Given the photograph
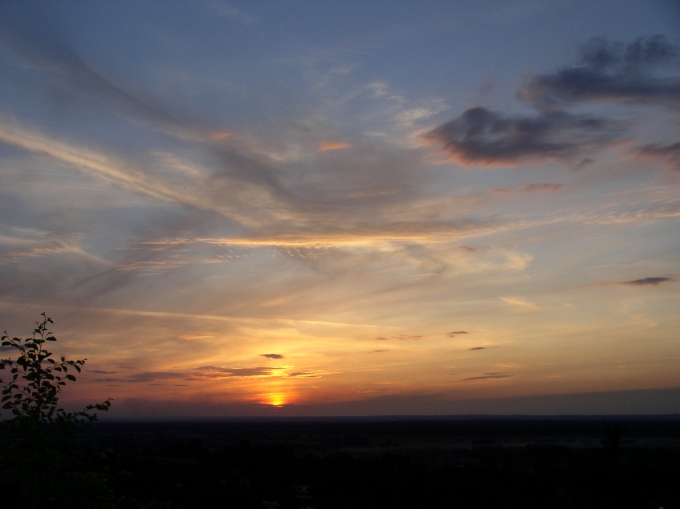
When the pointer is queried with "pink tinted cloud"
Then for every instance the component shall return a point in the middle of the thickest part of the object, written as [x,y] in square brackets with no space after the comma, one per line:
[332,145]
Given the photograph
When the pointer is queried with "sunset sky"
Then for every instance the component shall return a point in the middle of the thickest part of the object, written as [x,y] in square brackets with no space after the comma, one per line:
[346,208]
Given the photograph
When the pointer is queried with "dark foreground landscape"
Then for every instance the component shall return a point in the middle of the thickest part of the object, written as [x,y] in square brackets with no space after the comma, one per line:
[357,463]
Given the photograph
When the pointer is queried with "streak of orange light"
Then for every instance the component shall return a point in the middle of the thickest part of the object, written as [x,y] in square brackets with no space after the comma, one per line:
[332,145]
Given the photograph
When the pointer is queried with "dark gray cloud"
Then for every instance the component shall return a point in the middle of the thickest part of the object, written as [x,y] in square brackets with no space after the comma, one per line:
[102,372]
[150,376]
[456,333]
[488,376]
[481,137]
[610,71]
[669,155]
[272,355]
[649,281]
[478,348]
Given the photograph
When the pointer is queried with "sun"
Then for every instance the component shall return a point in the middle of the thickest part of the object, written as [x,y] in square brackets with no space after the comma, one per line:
[276,399]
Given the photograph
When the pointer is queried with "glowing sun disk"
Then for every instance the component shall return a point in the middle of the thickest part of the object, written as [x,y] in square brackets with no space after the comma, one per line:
[276,399]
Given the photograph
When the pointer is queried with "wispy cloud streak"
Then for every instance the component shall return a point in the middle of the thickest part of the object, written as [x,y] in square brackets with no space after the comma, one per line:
[649,281]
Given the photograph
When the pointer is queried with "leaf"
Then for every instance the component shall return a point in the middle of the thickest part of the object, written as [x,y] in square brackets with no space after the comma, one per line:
[32,393]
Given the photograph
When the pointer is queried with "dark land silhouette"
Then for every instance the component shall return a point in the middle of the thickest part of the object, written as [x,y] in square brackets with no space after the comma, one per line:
[593,462]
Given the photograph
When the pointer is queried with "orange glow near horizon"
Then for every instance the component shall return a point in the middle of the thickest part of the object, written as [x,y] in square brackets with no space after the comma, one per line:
[220,135]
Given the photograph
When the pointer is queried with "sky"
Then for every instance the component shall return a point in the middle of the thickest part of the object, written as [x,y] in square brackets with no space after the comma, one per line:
[297,208]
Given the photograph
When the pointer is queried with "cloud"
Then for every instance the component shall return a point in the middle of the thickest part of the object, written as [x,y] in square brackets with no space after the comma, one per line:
[231,13]
[541,188]
[478,348]
[80,80]
[272,355]
[519,302]
[193,337]
[649,281]
[456,333]
[150,376]
[356,234]
[610,71]
[666,154]
[304,374]
[20,244]
[401,337]
[220,135]
[206,193]
[254,204]
[259,371]
[488,376]
[481,137]
[466,249]
[332,145]
[528,188]
[218,371]
[606,71]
